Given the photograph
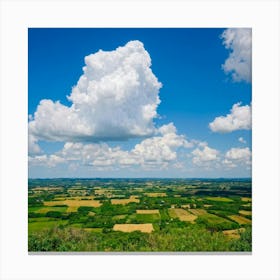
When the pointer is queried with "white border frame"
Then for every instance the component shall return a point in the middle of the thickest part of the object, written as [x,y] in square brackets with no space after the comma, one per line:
[17,16]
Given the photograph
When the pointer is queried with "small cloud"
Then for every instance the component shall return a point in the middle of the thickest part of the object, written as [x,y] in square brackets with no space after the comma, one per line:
[241,140]
[205,157]
[239,62]
[239,118]
[238,156]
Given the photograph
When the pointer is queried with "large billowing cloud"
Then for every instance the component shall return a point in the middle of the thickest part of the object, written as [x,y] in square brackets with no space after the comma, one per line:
[116,98]
[240,117]
[239,62]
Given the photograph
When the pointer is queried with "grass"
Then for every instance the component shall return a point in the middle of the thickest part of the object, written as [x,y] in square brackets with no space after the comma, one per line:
[147,218]
[42,225]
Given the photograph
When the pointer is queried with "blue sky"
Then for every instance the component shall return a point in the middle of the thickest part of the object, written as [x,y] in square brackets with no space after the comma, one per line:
[203,72]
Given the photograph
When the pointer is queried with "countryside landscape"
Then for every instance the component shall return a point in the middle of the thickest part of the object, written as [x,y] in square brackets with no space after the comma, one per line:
[139,140]
[139,215]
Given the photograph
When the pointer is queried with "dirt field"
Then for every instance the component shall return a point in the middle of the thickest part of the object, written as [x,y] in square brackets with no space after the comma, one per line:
[125,200]
[133,227]
[155,194]
[182,214]
[156,211]
[198,212]
[233,233]
[239,219]
[187,206]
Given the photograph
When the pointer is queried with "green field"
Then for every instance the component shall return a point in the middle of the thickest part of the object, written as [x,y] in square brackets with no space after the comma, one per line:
[192,215]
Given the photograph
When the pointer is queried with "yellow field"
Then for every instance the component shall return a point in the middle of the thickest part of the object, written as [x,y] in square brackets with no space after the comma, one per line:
[177,195]
[148,228]
[198,212]
[222,199]
[248,204]
[240,220]
[186,206]
[125,200]
[207,205]
[233,233]
[73,205]
[245,212]
[77,192]
[155,194]
[246,199]
[155,211]
[182,214]
[89,197]
[49,189]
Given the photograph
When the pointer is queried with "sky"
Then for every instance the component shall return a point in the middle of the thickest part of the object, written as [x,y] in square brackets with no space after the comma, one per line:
[139,102]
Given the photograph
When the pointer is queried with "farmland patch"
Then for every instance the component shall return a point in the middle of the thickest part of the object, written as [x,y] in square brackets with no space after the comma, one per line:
[148,228]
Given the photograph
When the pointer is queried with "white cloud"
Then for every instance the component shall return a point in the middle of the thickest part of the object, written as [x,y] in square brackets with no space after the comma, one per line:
[46,160]
[239,118]
[241,140]
[116,98]
[239,62]
[205,157]
[33,147]
[154,152]
[238,156]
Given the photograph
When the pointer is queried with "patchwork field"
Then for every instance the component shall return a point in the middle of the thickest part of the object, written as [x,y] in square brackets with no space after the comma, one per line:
[147,228]
[222,199]
[156,211]
[198,212]
[245,213]
[233,233]
[139,215]
[155,194]
[125,200]
[240,219]
[73,205]
[246,199]
[182,215]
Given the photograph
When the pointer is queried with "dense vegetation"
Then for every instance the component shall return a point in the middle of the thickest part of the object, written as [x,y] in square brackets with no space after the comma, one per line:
[185,215]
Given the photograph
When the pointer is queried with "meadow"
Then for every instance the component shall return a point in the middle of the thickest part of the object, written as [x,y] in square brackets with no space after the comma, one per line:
[139,215]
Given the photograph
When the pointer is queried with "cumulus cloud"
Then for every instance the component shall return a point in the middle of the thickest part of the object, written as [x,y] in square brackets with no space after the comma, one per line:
[33,147]
[205,157]
[45,160]
[116,98]
[240,117]
[239,62]
[238,156]
[154,152]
